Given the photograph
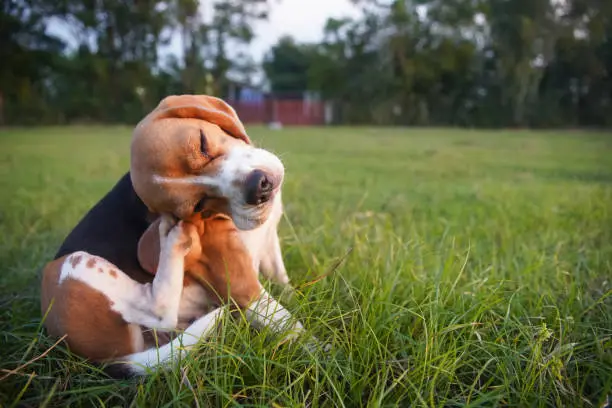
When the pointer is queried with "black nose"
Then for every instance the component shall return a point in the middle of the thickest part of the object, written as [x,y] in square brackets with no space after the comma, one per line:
[258,188]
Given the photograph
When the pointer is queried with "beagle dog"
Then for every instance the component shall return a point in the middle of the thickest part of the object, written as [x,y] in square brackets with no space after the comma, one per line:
[129,267]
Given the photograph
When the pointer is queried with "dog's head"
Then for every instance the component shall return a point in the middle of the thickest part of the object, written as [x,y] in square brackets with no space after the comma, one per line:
[192,154]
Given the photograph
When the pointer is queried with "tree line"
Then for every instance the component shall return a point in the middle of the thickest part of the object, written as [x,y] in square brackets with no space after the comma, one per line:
[475,63]
[115,71]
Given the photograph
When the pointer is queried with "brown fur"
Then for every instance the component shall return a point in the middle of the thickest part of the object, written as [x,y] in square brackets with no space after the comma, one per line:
[218,260]
[74,260]
[83,314]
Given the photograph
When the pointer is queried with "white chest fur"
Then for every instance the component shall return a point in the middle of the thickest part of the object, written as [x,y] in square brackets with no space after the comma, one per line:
[195,302]
[264,246]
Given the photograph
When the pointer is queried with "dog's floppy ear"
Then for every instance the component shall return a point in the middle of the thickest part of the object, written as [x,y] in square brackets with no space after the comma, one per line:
[148,248]
[227,265]
[204,107]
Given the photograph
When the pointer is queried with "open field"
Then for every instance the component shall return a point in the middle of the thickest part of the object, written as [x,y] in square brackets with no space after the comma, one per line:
[480,271]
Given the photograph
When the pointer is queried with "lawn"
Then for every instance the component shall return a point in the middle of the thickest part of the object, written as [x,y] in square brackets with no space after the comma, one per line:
[466,268]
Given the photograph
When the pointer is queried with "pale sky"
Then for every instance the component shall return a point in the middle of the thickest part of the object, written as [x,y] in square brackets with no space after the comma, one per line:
[303,19]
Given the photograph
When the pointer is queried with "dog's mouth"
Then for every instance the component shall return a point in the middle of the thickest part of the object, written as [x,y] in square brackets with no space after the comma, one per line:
[246,223]
[247,217]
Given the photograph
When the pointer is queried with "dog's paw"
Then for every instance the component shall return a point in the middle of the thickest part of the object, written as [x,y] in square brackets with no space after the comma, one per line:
[293,334]
[287,292]
[314,345]
[177,238]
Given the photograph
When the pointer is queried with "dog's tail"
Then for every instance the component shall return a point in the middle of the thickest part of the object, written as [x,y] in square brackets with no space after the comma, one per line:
[166,356]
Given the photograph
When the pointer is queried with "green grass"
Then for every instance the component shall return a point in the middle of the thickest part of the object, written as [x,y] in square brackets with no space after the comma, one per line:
[480,271]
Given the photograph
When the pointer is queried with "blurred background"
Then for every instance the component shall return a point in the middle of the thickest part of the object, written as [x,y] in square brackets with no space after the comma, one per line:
[469,63]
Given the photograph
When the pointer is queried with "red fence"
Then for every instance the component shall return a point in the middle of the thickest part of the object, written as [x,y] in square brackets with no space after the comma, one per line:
[250,112]
[286,111]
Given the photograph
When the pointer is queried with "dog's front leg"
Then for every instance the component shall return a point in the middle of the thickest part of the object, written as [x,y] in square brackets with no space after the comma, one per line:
[158,305]
[272,265]
[267,312]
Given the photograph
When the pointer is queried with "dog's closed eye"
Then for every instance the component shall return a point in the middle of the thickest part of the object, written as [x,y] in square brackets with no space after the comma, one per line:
[200,205]
[203,144]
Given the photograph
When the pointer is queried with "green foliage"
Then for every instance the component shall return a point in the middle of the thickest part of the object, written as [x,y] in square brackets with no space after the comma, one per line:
[287,65]
[474,270]
[477,63]
[114,74]
[27,54]
[484,63]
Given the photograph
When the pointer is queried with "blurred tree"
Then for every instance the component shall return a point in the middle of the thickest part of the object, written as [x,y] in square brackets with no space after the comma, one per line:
[112,72]
[27,55]
[232,25]
[287,65]
[468,62]
[206,61]
[409,62]
[578,82]
[194,36]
